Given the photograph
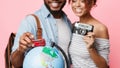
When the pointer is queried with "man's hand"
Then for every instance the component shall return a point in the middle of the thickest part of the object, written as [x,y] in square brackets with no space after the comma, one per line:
[25,41]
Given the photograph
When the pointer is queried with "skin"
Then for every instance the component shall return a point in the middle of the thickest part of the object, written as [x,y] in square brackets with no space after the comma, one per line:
[26,39]
[81,10]
[55,10]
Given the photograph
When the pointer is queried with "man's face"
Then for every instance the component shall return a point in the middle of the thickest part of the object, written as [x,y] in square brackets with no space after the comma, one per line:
[55,5]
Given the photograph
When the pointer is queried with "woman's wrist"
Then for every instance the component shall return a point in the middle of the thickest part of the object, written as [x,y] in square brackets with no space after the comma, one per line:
[92,49]
[90,46]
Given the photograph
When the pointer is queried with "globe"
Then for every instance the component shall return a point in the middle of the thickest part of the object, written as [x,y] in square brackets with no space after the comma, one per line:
[43,57]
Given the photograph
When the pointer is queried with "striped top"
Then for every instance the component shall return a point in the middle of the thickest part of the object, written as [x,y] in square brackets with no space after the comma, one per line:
[80,55]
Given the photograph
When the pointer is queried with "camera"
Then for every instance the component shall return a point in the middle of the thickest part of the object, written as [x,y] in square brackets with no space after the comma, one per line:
[82,29]
[39,42]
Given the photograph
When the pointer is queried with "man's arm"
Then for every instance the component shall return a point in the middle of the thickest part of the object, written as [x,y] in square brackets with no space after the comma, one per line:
[17,56]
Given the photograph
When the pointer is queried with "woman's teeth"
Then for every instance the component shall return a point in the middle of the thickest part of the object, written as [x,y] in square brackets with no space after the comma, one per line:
[78,10]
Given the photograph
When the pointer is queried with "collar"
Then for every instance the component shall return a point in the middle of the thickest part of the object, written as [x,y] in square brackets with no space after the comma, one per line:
[45,11]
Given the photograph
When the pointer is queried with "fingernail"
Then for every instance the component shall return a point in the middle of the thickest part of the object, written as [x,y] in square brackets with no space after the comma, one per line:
[32,45]
[32,36]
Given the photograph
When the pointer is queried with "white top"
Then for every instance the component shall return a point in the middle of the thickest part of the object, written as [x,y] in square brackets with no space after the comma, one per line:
[63,34]
[80,55]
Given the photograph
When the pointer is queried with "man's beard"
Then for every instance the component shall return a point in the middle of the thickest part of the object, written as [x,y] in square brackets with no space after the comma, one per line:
[54,12]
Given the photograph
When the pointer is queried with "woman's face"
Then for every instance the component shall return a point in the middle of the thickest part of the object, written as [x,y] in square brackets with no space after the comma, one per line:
[78,7]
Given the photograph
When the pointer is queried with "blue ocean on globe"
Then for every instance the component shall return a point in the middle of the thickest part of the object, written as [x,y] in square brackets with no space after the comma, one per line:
[43,57]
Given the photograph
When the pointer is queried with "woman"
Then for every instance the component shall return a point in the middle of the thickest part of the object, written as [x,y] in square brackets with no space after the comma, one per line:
[92,49]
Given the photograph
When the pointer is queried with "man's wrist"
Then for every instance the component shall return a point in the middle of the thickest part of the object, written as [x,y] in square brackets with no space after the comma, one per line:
[21,49]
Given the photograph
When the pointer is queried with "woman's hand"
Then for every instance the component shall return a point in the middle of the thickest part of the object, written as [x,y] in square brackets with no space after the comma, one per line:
[89,39]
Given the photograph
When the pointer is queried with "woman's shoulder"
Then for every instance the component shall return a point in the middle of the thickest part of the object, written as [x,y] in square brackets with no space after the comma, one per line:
[101,30]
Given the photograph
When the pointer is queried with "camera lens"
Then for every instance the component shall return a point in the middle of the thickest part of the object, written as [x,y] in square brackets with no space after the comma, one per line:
[82,31]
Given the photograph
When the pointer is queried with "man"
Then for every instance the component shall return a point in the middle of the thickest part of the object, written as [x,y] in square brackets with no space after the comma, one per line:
[55,27]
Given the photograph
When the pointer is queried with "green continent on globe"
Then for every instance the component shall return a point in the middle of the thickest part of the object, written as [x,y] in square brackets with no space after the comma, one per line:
[50,52]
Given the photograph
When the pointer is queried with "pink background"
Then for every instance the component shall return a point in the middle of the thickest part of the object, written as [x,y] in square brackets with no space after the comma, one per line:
[13,11]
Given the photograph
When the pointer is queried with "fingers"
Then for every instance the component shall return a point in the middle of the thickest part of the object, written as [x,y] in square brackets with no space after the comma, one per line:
[29,35]
[90,35]
[26,40]
[89,39]
[22,48]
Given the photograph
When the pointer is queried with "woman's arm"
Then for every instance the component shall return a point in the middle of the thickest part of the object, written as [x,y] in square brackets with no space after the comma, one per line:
[98,60]
[89,39]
